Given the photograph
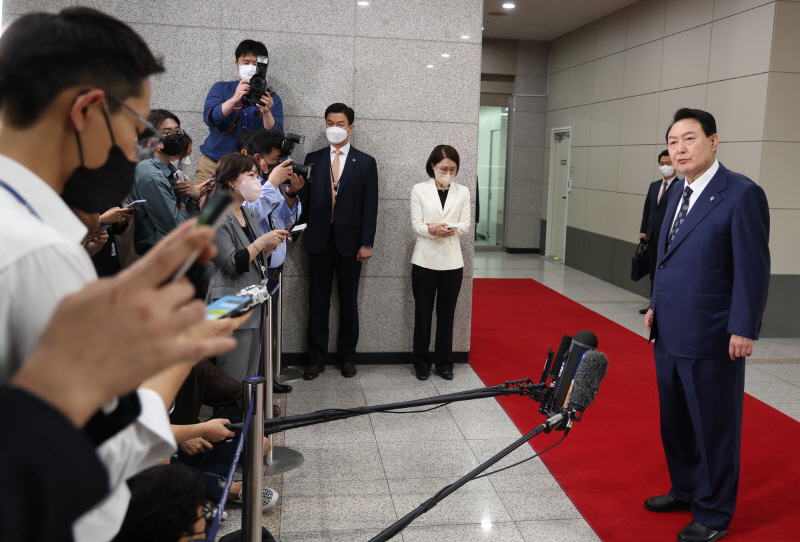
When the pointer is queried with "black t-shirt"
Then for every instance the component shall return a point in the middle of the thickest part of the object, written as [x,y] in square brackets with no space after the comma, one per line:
[443,196]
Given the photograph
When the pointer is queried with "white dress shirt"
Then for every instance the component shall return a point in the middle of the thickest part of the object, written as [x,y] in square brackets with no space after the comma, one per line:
[697,186]
[342,158]
[41,262]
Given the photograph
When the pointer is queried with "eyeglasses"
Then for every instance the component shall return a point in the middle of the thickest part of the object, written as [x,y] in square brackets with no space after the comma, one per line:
[169,131]
[446,171]
[147,145]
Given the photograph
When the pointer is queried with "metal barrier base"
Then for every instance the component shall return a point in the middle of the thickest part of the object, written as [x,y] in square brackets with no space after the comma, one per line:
[283,460]
[288,374]
[238,536]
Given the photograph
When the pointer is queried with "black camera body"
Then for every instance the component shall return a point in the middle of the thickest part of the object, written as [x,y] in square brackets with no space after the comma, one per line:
[258,85]
[289,142]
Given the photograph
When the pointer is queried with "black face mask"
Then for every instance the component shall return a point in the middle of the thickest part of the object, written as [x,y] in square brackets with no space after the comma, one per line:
[97,190]
[173,144]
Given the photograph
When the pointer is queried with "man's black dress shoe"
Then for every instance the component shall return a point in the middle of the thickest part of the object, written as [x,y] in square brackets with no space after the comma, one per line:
[312,372]
[665,503]
[694,532]
[281,388]
[447,375]
[421,376]
[348,369]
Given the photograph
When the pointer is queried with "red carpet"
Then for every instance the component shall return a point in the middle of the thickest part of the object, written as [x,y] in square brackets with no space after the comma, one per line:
[613,459]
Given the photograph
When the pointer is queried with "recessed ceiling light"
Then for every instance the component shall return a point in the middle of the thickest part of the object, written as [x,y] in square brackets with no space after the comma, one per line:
[465,37]
[445,55]
[430,65]
[509,5]
[363,3]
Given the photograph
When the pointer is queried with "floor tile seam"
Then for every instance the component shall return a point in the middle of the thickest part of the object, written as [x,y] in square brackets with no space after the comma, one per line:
[381,459]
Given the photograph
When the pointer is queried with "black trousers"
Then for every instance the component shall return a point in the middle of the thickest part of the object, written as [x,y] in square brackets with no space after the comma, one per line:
[443,286]
[321,268]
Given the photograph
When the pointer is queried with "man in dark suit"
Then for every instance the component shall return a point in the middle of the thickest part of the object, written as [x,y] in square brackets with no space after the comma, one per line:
[655,205]
[705,314]
[341,206]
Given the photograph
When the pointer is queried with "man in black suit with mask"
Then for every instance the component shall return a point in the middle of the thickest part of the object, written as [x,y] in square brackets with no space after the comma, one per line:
[654,208]
[341,206]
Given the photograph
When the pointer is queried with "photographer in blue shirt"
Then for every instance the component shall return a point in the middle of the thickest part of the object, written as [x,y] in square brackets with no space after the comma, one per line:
[225,115]
[274,209]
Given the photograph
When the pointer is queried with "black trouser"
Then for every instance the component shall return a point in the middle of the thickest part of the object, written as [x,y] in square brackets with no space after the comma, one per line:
[443,286]
[320,285]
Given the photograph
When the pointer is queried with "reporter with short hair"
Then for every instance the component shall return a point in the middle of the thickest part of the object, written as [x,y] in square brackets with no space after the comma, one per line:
[225,115]
[170,200]
[440,215]
[242,254]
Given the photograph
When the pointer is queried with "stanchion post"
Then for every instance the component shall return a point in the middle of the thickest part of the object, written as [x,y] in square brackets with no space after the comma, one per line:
[269,376]
[276,353]
[253,463]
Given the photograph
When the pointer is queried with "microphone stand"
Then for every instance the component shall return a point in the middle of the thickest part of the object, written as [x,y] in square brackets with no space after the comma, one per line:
[523,387]
[406,520]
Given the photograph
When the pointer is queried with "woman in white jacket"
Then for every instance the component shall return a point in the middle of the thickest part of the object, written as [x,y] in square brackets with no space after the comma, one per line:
[440,215]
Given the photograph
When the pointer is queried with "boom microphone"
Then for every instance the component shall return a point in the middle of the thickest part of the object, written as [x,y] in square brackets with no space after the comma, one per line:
[583,342]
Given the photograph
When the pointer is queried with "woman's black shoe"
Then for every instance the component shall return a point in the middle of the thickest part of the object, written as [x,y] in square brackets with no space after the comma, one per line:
[281,388]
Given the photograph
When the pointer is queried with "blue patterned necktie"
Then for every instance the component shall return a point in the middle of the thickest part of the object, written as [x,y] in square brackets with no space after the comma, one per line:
[684,210]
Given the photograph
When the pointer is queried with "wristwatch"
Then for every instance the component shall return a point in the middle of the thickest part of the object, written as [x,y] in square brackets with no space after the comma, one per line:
[291,195]
[368,246]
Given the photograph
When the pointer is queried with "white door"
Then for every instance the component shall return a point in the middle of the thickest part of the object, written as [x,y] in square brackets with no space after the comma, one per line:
[559,185]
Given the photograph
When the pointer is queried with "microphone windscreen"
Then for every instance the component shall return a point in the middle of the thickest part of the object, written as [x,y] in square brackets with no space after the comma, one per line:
[590,373]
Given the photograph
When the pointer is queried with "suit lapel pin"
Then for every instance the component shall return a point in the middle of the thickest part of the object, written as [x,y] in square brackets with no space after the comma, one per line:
[712,198]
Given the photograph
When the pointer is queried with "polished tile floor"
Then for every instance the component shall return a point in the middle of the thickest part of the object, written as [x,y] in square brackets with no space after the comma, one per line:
[362,474]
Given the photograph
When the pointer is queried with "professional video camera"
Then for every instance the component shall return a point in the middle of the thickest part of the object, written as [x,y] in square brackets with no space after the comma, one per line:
[289,142]
[258,84]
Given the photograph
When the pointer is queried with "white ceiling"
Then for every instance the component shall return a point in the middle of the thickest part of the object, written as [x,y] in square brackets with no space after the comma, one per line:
[544,20]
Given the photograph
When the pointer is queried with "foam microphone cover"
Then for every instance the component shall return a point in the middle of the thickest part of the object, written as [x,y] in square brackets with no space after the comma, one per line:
[590,373]
[582,342]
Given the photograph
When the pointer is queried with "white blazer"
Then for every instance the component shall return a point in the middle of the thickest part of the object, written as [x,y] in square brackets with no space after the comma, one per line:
[439,253]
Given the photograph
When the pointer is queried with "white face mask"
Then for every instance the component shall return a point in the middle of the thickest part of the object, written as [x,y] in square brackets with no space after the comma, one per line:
[246,72]
[183,163]
[250,189]
[335,134]
[667,171]
[444,180]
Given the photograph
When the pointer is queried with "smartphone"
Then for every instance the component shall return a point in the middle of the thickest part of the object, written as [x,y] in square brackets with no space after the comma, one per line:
[135,204]
[449,227]
[104,226]
[228,306]
[212,214]
[299,228]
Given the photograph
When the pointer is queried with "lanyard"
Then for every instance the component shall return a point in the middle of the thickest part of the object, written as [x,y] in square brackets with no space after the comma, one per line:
[20,199]
[259,258]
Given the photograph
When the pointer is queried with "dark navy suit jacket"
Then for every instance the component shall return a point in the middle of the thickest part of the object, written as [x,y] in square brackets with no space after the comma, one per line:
[713,280]
[654,210]
[356,213]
